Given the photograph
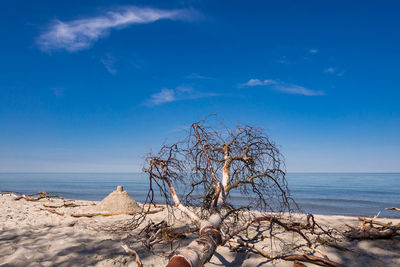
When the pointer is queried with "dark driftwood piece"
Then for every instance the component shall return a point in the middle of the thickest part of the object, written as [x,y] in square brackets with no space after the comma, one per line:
[37,196]
[393,208]
[373,229]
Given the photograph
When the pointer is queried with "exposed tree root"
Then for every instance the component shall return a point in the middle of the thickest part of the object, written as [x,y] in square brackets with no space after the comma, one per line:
[321,261]
[133,254]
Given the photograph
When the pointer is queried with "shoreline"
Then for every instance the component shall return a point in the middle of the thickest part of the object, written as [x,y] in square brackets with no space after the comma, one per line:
[30,236]
[395,216]
[330,194]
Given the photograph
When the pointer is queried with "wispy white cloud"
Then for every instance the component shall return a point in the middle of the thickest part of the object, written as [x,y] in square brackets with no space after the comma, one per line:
[282,87]
[330,70]
[334,71]
[313,51]
[108,62]
[171,95]
[197,76]
[80,34]
[297,90]
[256,82]
[164,96]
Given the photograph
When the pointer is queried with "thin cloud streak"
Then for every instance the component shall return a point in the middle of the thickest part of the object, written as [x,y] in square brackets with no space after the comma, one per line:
[282,87]
[256,82]
[80,34]
[197,76]
[108,62]
[297,90]
[330,70]
[334,71]
[178,94]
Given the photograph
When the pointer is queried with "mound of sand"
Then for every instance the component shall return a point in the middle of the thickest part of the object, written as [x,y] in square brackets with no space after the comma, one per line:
[118,201]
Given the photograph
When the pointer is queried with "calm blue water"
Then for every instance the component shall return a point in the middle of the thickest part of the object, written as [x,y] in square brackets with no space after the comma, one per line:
[319,193]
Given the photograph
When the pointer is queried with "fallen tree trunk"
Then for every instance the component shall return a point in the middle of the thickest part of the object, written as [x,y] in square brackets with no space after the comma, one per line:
[199,251]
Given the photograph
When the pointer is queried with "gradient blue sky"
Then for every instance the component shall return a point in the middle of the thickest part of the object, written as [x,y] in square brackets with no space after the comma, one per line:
[93,86]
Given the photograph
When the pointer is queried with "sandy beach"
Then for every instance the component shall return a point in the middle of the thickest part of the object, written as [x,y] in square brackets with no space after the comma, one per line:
[32,236]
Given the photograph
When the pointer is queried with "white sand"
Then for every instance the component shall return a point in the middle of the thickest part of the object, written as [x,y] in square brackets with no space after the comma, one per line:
[29,237]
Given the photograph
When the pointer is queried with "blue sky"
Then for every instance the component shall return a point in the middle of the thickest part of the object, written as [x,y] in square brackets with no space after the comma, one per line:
[93,86]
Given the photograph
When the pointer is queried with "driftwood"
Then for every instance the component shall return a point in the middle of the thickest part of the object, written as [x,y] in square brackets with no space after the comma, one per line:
[114,213]
[37,196]
[52,211]
[373,229]
[393,208]
[64,205]
[133,254]
[89,215]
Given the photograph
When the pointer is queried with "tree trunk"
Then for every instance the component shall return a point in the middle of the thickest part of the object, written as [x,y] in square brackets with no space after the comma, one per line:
[200,251]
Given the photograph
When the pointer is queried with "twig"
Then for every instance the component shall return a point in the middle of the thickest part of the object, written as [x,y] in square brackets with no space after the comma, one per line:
[66,205]
[133,254]
[393,208]
[52,211]
[270,219]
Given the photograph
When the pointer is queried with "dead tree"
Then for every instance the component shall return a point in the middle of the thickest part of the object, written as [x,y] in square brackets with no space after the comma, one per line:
[208,169]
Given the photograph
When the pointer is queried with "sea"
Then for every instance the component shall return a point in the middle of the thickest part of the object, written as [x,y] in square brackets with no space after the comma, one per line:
[364,194]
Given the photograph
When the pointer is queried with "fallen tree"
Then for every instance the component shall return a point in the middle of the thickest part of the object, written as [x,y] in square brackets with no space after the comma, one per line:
[208,169]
